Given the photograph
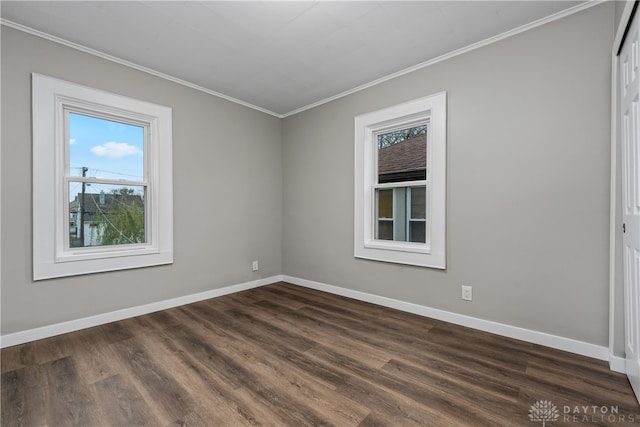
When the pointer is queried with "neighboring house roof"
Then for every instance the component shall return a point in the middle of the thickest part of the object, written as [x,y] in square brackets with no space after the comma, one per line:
[403,161]
[92,203]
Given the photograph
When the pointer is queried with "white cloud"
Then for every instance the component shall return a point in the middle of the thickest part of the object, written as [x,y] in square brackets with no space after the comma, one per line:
[115,149]
[72,141]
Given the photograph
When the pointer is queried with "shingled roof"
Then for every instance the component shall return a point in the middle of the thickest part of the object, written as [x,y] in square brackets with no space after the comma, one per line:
[93,206]
[403,161]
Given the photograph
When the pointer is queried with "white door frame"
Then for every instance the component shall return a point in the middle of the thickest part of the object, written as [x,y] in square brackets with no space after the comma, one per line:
[616,279]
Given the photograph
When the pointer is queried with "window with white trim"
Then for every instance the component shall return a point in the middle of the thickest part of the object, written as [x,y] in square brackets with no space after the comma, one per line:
[400,188]
[102,181]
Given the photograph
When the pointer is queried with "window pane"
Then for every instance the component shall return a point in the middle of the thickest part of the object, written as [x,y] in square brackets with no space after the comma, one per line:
[401,214]
[385,214]
[103,215]
[418,202]
[385,230]
[402,155]
[102,148]
[385,203]
[417,231]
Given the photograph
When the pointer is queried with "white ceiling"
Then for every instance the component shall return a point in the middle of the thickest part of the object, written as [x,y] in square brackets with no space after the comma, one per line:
[280,57]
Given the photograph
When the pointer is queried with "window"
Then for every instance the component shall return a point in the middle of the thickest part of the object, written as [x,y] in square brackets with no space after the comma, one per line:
[400,173]
[105,179]
[102,181]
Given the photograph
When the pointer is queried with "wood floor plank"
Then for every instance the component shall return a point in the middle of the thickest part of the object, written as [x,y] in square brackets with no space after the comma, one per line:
[377,312]
[121,404]
[113,332]
[566,389]
[282,355]
[23,396]
[37,352]
[497,403]
[488,348]
[298,384]
[422,394]
[67,399]
[263,351]
[234,372]
[91,354]
[270,293]
[389,407]
[326,334]
[15,357]
[223,405]
[365,313]
[282,350]
[153,381]
[605,388]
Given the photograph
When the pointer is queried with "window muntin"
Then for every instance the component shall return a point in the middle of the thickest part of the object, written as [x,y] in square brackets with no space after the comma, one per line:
[400,210]
[119,150]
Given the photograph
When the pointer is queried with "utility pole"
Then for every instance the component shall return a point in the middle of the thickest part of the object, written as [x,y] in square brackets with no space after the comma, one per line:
[84,174]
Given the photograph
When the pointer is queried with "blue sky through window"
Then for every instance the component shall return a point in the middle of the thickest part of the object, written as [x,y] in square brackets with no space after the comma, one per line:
[109,149]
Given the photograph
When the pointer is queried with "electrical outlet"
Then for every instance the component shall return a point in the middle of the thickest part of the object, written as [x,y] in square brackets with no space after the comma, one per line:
[467,293]
[254,265]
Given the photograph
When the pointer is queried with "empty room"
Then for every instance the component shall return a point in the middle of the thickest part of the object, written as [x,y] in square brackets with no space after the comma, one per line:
[421,213]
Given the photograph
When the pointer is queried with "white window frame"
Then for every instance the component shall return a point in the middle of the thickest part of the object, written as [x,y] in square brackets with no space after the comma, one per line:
[52,255]
[430,110]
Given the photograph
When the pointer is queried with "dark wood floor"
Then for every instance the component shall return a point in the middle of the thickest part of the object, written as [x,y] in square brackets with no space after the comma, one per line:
[282,355]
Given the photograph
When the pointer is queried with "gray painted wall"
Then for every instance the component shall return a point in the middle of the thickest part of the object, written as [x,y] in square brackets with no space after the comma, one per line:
[227,191]
[528,183]
[619,8]
[528,186]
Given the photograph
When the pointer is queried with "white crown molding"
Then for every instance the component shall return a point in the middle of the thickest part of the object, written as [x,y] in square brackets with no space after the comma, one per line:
[488,41]
[130,64]
[528,335]
[113,316]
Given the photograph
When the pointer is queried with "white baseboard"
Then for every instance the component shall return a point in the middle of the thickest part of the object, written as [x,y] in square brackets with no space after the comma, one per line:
[548,340]
[126,313]
[617,364]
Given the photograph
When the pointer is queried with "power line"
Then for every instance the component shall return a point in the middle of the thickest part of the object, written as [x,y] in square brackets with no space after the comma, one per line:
[111,172]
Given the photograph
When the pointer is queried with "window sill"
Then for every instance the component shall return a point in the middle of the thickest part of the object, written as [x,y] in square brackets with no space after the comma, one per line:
[432,260]
[75,267]
[418,248]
